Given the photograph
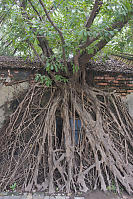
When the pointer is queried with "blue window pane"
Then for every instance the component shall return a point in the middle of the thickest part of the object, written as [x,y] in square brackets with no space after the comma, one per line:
[77,128]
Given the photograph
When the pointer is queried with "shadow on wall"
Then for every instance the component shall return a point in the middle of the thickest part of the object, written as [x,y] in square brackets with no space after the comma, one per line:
[9,96]
[130,103]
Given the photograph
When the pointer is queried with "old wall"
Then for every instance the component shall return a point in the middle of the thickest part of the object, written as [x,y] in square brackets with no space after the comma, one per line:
[121,84]
[7,93]
[130,103]
[12,83]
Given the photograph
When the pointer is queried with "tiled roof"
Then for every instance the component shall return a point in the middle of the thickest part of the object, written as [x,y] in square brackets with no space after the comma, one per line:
[18,62]
[114,64]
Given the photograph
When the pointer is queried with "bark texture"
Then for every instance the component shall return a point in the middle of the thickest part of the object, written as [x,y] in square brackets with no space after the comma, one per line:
[38,156]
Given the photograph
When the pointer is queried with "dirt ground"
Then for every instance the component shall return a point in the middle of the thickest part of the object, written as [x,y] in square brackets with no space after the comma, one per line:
[108,195]
[41,195]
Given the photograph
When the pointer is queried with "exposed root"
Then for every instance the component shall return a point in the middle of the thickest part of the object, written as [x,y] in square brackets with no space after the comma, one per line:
[37,155]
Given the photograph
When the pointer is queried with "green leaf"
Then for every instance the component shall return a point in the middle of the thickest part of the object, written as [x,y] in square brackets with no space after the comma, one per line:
[37,77]
[52,67]
[13,186]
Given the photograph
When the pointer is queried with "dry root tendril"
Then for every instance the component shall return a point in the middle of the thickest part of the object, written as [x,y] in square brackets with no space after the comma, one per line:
[37,156]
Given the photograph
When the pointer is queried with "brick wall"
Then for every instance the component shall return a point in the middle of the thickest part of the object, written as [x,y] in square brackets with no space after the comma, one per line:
[121,83]
[14,75]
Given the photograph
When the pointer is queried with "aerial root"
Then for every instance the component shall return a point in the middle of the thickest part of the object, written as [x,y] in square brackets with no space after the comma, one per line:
[44,149]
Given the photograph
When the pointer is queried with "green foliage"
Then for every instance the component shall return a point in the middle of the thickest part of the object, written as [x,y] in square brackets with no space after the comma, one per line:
[13,186]
[53,64]
[43,79]
[75,68]
[48,82]
[112,188]
[60,78]
[22,26]
[69,16]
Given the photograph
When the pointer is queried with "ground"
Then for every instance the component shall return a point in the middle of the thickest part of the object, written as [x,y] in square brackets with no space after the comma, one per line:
[108,195]
[41,195]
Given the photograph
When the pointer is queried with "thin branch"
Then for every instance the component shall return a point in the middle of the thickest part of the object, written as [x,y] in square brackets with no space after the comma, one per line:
[38,56]
[94,13]
[89,41]
[15,51]
[57,29]
[116,25]
[43,43]
[119,25]
[8,44]
[2,18]
[84,58]
[40,17]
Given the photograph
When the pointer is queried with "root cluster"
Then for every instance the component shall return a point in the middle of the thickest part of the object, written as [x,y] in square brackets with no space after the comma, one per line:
[39,153]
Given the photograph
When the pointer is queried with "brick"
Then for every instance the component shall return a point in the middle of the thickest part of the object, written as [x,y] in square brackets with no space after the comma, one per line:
[98,77]
[130,91]
[115,81]
[120,79]
[109,78]
[120,76]
[131,85]
[102,84]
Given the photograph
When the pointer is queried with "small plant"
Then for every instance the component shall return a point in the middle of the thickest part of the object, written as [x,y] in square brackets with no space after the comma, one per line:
[13,186]
[112,187]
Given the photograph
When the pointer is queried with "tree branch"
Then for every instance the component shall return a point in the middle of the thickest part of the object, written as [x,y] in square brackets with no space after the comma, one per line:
[94,13]
[117,25]
[40,17]
[38,56]
[58,30]
[43,43]
[2,18]
[42,40]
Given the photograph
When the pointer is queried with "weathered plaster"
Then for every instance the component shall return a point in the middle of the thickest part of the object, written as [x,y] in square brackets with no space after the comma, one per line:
[130,103]
[6,95]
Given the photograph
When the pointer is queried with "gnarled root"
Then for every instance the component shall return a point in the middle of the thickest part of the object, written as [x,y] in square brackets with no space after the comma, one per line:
[37,155]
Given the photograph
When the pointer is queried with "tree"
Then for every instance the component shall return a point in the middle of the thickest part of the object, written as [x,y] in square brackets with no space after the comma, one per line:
[64,36]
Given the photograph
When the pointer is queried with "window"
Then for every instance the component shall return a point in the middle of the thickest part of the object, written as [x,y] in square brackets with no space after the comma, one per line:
[59,126]
[77,128]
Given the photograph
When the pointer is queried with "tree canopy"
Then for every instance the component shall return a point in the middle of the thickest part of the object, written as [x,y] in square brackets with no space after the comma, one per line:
[66,30]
